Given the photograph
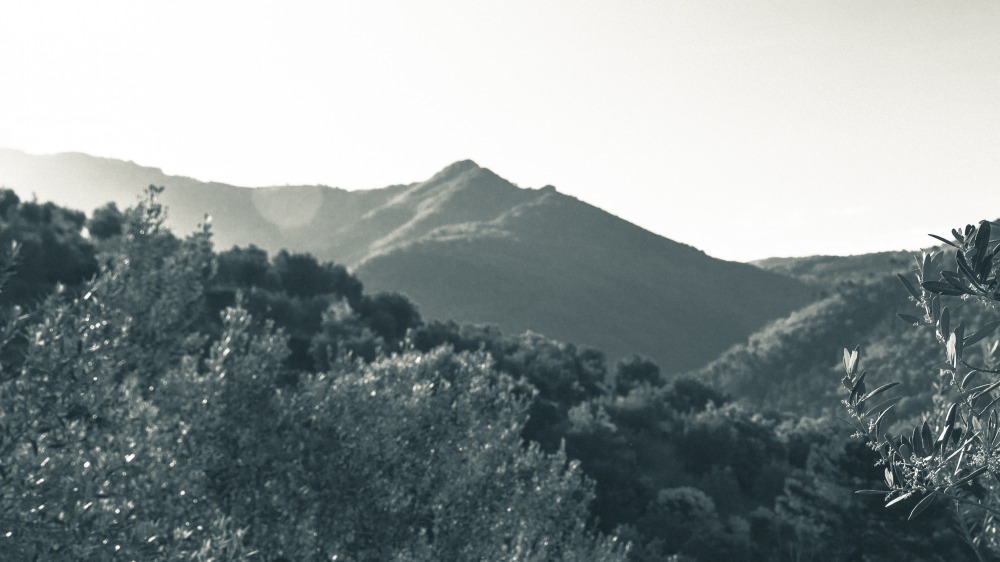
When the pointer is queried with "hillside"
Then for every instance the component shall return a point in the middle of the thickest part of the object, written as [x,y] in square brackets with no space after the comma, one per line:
[794,364]
[828,271]
[565,268]
[470,246]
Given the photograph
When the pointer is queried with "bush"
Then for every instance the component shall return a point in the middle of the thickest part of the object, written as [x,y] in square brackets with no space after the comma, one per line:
[951,457]
[125,433]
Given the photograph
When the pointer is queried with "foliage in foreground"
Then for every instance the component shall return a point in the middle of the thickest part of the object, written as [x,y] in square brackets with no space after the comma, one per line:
[952,457]
[274,451]
[123,438]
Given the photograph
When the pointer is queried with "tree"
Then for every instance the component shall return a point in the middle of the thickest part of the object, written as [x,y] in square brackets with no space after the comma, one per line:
[952,455]
[636,371]
[106,222]
[127,433]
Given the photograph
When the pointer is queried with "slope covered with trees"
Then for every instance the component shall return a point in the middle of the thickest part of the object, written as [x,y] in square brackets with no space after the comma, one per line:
[162,410]
[467,245]
[130,433]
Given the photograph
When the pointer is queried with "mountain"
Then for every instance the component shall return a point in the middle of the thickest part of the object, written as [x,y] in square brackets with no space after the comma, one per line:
[829,271]
[470,246]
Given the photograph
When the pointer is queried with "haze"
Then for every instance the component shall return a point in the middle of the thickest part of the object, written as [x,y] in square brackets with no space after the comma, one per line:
[747,129]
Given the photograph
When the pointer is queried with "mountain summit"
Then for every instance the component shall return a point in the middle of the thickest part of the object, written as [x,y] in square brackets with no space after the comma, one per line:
[470,246]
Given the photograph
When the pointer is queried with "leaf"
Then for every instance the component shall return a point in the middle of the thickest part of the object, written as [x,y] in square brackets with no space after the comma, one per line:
[851,361]
[904,497]
[853,425]
[982,241]
[925,264]
[878,420]
[911,320]
[917,442]
[949,423]
[987,407]
[963,265]
[909,286]
[858,389]
[945,240]
[989,388]
[878,391]
[968,378]
[944,322]
[951,350]
[941,288]
[927,438]
[953,279]
[949,418]
[922,505]
[882,405]
[982,333]
[871,492]
[969,476]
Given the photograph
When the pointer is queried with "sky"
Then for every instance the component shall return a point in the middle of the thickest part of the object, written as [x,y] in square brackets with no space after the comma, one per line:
[746,128]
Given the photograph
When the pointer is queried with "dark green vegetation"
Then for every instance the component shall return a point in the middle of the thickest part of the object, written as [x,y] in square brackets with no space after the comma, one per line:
[186,404]
[469,246]
[132,430]
[948,457]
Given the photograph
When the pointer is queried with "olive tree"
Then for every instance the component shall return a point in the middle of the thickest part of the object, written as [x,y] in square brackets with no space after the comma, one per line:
[950,457]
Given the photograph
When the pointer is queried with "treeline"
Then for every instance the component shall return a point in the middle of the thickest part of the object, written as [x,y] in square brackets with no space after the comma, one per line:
[172,402]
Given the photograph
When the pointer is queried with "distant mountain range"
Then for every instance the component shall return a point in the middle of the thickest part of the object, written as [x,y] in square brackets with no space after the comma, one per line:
[470,246]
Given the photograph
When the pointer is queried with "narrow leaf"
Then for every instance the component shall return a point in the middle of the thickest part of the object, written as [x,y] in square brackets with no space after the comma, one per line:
[922,505]
[927,437]
[949,422]
[944,323]
[882,405]
[968,378]
[982,240]
[904,497]
[969,476]
[951,350]
[982,333]
[917,442]
[941,288]
[945,240]
[851,361]
[985,390]
[911,320]
[878,391]
[988,406]
[909,286]
[963,265]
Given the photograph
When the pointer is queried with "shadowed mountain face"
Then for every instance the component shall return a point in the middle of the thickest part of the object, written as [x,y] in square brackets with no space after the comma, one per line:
[468,245]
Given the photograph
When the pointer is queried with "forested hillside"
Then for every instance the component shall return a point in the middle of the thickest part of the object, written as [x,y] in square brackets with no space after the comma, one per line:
[470,246]
[174,402]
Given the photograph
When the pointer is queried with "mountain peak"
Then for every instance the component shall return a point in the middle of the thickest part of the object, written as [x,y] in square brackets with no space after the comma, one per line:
[457,168]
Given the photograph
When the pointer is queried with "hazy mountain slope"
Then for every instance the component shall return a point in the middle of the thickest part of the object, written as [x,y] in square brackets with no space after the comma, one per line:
[567,269]
[470,246]
[830,270]
[271,217]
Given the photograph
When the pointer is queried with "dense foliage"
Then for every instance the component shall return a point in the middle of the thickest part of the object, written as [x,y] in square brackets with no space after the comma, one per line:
[173,402]
[124,438]
[950,456]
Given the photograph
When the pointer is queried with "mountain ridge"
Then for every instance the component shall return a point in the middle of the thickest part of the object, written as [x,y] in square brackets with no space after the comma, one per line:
[468,245]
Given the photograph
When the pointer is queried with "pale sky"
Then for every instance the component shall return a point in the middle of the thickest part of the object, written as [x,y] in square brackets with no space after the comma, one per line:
[746,128]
